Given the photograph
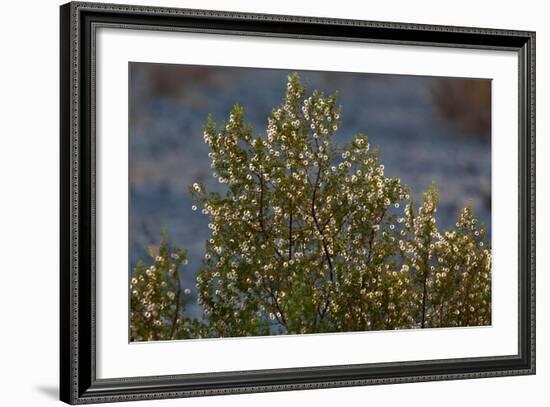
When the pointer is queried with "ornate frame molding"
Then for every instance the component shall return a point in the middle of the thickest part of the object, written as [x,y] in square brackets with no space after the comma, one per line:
[78,380]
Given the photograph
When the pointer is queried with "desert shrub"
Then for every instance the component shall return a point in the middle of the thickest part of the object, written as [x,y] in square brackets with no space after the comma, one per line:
[157,298]
[309,237]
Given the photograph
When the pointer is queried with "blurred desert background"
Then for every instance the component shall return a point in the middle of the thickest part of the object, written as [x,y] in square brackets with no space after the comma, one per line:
[427,129]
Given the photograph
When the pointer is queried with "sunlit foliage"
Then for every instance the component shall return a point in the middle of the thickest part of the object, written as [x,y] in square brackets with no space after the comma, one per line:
[309,237]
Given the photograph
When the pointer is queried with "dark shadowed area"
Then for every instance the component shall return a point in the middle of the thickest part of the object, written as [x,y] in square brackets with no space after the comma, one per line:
[427,128]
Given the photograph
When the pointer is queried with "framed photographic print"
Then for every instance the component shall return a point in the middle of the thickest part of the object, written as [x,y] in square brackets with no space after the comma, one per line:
[256,203]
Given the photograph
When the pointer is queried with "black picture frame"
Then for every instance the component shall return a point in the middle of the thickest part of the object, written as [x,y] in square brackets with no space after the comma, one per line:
[78,382]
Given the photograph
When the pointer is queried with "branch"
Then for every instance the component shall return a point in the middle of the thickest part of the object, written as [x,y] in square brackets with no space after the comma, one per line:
[177,299]
[316,221]
[424,292]
[290,233]
[261,215]
[325,248]
[373,235]
[283,320]
[426,263]
[467,296]
[325,308]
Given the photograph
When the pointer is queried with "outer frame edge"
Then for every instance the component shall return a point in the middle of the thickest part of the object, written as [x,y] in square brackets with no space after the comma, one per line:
[70,161]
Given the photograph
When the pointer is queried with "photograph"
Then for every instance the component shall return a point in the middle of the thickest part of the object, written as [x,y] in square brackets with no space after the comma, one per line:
[280,199]
[290,202]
